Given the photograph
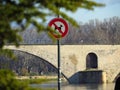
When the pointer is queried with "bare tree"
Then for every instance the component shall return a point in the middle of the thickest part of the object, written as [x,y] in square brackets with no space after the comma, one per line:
[93,32]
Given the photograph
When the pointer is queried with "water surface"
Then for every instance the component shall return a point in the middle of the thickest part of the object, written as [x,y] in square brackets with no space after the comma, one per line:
[53,85]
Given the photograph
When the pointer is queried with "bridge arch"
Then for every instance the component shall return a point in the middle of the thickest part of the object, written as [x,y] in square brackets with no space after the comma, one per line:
[118,75]
[41,59]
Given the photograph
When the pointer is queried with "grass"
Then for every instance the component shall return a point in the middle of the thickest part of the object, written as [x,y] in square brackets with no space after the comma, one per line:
[37,81]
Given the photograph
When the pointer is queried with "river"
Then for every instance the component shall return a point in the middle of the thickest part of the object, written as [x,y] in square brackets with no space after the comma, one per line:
[53,85]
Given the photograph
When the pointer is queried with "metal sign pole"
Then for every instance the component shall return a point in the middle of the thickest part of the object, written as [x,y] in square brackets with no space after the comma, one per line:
[62,27]
[59,66]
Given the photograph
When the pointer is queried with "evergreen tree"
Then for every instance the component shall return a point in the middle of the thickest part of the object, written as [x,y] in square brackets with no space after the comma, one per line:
[25,12]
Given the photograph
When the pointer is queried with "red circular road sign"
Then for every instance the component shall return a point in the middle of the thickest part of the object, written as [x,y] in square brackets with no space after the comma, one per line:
[59,26]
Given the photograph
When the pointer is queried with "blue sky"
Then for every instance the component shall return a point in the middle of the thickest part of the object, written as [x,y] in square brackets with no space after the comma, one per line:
[111,9]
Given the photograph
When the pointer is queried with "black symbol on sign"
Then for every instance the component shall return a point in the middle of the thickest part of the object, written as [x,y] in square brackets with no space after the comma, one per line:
[59,27]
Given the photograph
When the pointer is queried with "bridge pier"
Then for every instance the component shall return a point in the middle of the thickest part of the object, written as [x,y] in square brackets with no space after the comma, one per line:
[88,76]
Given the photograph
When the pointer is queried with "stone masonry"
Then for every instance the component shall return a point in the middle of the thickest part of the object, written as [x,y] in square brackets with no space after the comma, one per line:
[73,57]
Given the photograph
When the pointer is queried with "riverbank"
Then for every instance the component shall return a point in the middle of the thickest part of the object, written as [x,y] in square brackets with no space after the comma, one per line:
[36,79]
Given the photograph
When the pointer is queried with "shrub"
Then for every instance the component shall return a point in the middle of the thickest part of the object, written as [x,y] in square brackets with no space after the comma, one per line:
[8,82]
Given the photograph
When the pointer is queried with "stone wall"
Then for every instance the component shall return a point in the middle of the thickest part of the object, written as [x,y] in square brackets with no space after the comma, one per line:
[92,76]
[73,57]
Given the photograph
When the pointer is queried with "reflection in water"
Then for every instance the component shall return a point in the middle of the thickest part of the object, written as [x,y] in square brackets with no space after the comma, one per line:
[53,85]
[109,86]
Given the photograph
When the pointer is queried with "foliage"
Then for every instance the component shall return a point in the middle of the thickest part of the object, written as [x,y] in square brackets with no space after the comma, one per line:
[24,72]
[6,52]
[37,81]
[25,12]
[8,82]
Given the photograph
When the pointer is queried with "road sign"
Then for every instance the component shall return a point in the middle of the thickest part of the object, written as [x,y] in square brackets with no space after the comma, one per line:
[59,26]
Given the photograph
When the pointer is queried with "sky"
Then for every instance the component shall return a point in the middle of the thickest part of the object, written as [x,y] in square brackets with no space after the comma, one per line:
[110,9]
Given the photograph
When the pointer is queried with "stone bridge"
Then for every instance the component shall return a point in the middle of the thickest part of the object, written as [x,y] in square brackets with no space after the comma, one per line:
[74,57]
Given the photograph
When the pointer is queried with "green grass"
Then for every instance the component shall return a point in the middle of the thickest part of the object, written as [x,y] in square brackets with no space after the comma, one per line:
[37,81]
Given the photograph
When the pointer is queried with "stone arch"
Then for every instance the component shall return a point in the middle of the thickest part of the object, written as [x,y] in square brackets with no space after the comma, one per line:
[118,75]
[42,59]
[91,61]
